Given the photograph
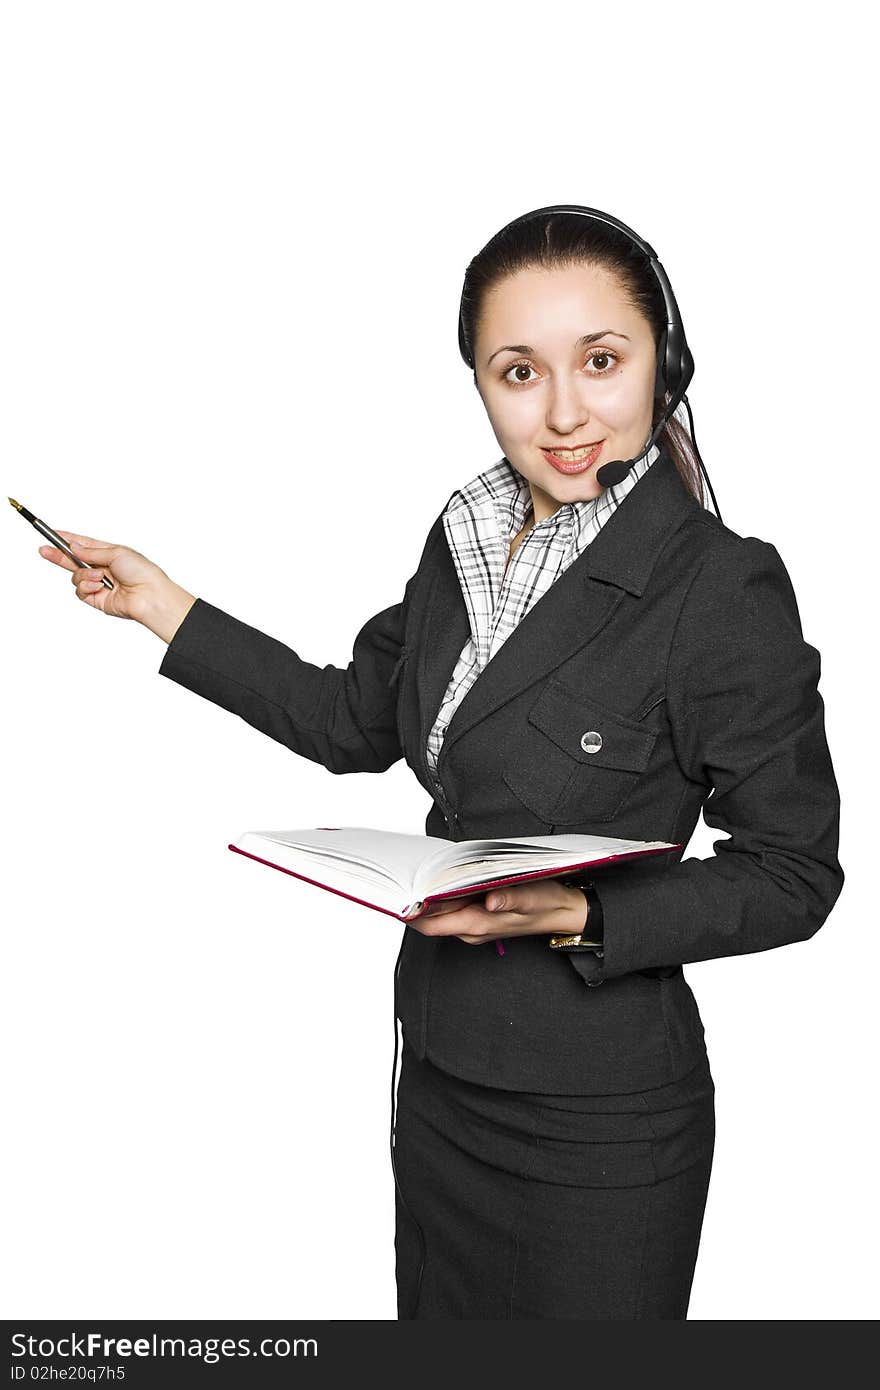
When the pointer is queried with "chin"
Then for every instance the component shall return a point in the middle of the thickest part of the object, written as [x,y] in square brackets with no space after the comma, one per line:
[585,493]
[587,483]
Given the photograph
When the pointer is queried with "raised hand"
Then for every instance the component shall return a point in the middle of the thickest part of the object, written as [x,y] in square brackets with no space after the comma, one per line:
[141,590]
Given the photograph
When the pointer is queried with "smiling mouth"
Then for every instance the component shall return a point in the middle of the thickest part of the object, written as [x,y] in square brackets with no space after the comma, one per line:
[568,454]
[574,460]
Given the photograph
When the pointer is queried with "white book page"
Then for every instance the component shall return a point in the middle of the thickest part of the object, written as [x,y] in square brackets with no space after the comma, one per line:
[467,862]
[383,862]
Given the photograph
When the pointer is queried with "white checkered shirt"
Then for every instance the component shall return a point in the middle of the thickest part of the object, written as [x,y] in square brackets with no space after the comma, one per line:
[480,520]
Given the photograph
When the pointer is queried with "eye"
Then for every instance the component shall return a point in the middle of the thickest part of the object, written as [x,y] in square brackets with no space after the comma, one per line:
[514,368]
[605,356]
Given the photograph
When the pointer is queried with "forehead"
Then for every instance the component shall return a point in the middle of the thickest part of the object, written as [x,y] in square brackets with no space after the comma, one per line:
[560,303]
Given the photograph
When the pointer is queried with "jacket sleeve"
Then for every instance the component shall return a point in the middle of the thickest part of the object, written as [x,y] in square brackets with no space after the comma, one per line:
[747,722]
[344,719]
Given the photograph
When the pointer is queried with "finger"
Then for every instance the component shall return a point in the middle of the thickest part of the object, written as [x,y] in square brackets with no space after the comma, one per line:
[87,587]
[58,557]
[466,921]
[435,909]
[90,590]
[85,576]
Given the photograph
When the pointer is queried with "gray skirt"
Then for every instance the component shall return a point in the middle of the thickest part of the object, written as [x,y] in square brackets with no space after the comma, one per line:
[512,1204]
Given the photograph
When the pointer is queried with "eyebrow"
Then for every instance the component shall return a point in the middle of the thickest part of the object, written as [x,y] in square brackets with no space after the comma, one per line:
[581,342]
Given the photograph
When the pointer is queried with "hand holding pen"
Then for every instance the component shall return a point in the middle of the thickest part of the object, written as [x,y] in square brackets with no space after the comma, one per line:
[115,579]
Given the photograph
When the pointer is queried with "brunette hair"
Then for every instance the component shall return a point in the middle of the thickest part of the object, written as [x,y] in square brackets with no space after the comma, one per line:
[562,239]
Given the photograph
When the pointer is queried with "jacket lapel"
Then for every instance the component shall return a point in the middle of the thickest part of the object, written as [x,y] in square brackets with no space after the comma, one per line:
[568,616]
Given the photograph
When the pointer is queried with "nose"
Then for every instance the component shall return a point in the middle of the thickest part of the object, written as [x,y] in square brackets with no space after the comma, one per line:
[566,409]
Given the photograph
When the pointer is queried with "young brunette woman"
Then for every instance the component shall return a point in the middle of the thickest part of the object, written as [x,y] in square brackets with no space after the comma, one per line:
[569,657]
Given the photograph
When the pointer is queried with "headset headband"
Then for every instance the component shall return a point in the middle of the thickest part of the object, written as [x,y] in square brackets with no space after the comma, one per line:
[675,363]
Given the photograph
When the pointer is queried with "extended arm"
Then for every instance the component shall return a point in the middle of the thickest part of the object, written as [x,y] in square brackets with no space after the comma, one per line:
[344,719]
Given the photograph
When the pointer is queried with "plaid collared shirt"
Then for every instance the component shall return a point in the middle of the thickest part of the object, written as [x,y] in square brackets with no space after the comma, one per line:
[480,520]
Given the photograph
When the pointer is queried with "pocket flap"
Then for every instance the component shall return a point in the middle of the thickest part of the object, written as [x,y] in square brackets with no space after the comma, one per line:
[567,717]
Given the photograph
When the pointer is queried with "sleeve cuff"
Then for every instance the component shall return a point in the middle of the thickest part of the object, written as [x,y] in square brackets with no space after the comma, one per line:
[587,961]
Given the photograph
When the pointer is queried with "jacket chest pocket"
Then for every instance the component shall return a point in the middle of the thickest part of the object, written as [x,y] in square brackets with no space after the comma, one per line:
[576,760]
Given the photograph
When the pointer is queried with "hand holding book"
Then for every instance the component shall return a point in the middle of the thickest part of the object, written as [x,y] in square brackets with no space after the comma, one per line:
[546,907]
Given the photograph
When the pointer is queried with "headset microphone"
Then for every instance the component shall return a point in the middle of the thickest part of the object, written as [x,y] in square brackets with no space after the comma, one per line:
[608,474]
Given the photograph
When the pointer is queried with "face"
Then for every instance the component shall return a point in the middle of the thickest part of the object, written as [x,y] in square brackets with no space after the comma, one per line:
[545,388]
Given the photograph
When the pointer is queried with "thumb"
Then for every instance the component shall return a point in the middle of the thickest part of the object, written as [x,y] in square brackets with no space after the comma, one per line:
[89,548]
[501,900]
[74,538]
[517,897]
[96,554]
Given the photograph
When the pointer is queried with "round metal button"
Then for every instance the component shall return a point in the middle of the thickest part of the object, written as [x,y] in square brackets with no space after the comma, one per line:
[591,741]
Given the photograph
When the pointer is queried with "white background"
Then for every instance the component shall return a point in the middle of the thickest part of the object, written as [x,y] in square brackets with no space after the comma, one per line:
[233,241]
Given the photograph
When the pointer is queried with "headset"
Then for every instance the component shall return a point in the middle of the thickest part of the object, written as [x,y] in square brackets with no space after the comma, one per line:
[675,368]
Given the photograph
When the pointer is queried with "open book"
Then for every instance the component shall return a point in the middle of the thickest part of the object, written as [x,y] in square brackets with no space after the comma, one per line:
[402,874]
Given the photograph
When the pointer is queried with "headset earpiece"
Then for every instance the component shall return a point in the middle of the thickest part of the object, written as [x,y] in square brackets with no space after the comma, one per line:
[662,375]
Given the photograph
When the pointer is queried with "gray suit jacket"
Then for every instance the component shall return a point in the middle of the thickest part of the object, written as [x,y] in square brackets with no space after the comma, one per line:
[680,643]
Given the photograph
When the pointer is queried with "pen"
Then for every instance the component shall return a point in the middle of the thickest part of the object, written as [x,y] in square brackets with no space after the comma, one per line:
[52,536]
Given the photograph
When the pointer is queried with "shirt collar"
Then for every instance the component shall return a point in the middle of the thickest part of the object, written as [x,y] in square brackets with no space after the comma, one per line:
[501,494]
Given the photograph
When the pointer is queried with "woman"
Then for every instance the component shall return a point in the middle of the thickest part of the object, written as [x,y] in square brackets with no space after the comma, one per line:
[569,657]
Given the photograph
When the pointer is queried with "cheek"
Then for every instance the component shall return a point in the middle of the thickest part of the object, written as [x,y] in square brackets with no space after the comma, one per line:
[517,415]
[623,403]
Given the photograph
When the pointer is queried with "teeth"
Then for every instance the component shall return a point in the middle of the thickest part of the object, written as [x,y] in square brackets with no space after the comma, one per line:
[572,453]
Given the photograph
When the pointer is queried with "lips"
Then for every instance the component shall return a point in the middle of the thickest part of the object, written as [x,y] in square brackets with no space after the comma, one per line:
[570,464]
